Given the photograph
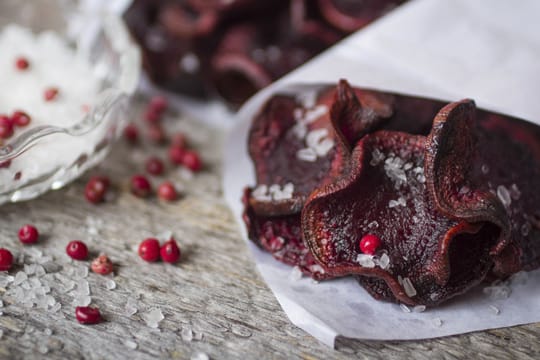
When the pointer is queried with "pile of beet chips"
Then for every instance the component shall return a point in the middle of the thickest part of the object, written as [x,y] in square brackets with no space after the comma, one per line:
[232,48]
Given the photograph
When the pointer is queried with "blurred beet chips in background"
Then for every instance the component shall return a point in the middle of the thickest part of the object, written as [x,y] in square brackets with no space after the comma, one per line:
[232,48]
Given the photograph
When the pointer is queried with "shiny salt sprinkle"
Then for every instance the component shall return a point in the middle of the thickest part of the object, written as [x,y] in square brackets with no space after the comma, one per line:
[504,195]
[295,274]
[409,287]
[405,308]
[495,309]
[365,260]
[437,322]
[419,308]
[274,192]
[200,356]
[153,317]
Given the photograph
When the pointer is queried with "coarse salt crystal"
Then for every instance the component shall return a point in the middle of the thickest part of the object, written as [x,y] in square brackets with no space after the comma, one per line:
[376,157]
[131,344]
[504,195]
[308,99]
[384,261]
[365,260]
[300,130]
[295,274]
[314,113]
[261,193]
[437,322]
[306,154]
[110,284]
[408,287]
[495,309]
[405,308]
[515,193]
[20,277]
[199,356]
[314,137]
[419,308]
[153,317]
[323,147]
[186,333]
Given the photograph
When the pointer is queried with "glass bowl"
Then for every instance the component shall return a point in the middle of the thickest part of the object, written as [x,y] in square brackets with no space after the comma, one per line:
[47,157]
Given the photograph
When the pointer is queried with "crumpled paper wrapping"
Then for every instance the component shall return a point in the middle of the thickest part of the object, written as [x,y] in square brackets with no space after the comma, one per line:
[487,50]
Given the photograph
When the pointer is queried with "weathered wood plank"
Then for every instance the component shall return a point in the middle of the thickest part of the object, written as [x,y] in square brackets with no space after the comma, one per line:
[215,291]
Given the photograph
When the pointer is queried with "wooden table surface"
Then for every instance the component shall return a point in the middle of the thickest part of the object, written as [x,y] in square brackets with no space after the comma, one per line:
[214,295]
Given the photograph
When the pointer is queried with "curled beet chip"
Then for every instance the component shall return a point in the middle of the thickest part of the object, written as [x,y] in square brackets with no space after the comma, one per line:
[301,142]
[443,226]
[282,237]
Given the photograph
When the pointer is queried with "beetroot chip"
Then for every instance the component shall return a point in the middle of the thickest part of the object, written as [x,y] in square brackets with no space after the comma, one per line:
[444,224]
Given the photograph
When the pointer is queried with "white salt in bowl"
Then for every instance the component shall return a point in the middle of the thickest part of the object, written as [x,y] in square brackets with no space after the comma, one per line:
[95,65]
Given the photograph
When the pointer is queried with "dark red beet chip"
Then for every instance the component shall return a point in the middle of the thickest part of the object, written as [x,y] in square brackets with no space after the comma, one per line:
[450,206]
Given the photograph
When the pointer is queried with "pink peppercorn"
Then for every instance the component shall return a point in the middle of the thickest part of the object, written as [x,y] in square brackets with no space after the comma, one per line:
[87,315]
[140,186]
[6,259]
[149,250]
[77,250]
[170,252]
[28,234]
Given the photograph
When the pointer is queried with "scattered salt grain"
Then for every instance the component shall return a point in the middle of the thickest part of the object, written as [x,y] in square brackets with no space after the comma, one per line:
[437,322]
[261,193]
[82,300]
[314,113]
[393,167]
[365,260]
[199,356]
[504,195]
[131,344]
[153,317]
[47,332]
[186,334]
[399,202]
[83,288]
[56,307]
[110,284]
[43,349]
[295,274]
[307,99]
[515,194]
[300,130]
[384,261]
[525,228]
[81,272]
[315,136]
[485,169]
[376,157]
[419,308]
[495,309]
[409,287]
[306,154]
[405,308]
[131,307]
[197,336]
[20,277]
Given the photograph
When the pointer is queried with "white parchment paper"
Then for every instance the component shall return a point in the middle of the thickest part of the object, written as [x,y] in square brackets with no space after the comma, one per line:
[488,50]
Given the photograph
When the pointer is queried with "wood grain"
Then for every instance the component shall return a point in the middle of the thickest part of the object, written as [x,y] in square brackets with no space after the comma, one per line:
[215,290]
